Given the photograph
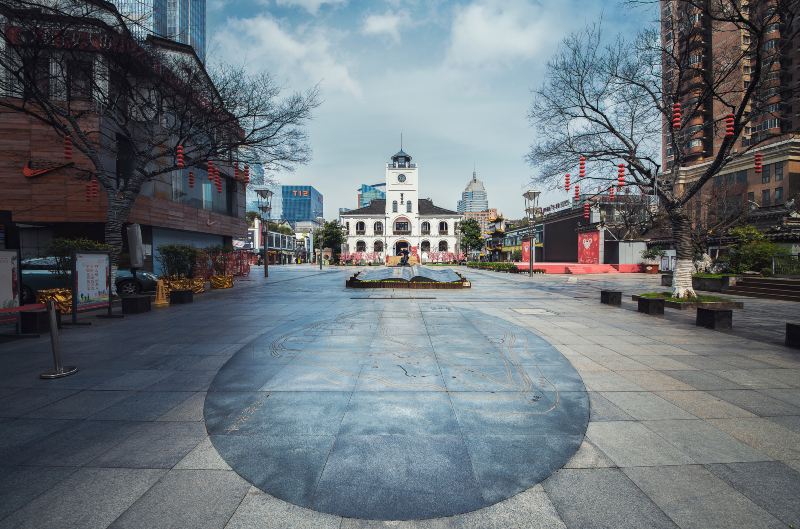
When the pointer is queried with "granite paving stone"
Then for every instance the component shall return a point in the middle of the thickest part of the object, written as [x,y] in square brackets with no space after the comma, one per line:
[704,405]
[704,443]
[772,485]
[757,403]
[142,406]
[645,405]
[153,445]
[695,499]
[80,405]
[630,443]
[20,485]
[763,435]
[601,499]
[90,498]
[262,511]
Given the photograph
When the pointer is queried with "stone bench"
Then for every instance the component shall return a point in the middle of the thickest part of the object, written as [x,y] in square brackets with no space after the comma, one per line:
[611,297]
[652,306]
[714,318]
[135,304]
[793,335]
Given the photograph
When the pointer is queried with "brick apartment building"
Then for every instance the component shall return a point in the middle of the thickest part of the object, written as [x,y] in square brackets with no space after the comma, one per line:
[774,123]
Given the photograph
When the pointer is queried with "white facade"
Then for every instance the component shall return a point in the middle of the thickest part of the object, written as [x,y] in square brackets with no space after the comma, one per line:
[402,220]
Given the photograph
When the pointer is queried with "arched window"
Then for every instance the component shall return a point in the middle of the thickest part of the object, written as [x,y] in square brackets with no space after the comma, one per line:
[378,228]
[378,246]
[442,246]
[361,246]
[425,246]
[426,228]
[443,228]
[408,206]
[394,206]
[402,226]
[361,228]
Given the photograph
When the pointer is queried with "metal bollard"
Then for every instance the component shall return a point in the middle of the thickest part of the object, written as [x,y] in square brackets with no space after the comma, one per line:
[59,371]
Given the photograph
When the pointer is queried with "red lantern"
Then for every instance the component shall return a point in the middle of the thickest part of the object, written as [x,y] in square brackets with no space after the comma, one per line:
[179,156]
[95,188]
[566,182]
[67,148]
[729,119]
[586,210]
[191,179]
[210,170]
[620,175]
[759,159]
[611,193]
[582,167]
[236,170]
[577,192]
[676,116]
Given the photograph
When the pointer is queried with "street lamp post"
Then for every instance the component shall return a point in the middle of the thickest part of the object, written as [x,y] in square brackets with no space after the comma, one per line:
[321,222]
[531,200]
[265,206]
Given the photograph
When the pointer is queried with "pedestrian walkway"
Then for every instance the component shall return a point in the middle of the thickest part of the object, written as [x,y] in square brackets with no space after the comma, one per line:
[687,427]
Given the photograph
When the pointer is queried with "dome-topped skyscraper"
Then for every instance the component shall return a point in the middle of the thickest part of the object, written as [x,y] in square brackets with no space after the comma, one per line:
[474,197]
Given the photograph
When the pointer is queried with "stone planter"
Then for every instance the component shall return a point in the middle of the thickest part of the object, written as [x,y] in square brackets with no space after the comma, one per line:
[714,318]
[611,297]
[666,280]
[652,306]
[177,297]
[700,304]
[793,335]
[135,304]
[221,282]
[712,284]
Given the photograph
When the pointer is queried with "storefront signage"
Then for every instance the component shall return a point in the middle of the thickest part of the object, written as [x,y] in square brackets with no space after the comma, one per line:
[526,251]
[9,279]
[552,208]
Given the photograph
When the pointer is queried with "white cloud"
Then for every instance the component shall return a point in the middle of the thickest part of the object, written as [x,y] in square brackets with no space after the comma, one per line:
[501,31]
[388,24]
[301,56]
[312,6]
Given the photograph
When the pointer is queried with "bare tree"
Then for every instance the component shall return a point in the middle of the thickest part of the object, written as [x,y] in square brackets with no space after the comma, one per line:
[136,110]
[613,102]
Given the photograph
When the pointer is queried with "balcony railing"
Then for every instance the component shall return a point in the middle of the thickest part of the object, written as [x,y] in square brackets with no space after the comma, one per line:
[402,232]
[361,232]
[378,232]
[426,232]
[443,232]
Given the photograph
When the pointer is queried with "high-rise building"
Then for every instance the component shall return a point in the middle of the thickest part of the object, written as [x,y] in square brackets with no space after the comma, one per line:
[483,217]
[180,20]
[774,118]
[301,204]
[368,193]
[474,196]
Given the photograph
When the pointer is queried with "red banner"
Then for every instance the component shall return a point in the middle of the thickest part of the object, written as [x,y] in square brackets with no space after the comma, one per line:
[526,251]
[589,247]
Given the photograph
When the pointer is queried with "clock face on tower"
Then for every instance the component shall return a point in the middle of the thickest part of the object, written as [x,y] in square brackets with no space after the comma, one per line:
[401,178]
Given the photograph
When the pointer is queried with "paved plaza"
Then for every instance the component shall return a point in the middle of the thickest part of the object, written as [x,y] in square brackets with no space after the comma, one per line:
[293,402]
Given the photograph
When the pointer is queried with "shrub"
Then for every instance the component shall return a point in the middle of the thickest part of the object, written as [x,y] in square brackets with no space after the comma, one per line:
[654,253]
[497,267]
[752,251]
[177,260]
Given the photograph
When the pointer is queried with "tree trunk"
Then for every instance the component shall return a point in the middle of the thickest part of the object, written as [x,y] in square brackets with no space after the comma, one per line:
[684,265]
[119,207]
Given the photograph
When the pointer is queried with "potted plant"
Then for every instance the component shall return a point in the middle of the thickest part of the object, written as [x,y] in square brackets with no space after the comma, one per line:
[651,259]
[177,262]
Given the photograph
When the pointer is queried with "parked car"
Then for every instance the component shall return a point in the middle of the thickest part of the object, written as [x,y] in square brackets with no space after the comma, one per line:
[41,273]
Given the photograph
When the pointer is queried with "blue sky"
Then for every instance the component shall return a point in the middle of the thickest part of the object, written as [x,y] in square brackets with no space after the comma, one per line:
[454,77]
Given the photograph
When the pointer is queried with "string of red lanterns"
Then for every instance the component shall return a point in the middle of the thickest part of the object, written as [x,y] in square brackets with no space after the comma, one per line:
[191,179]
[582,167]
[566,182]
[577,192]
[759,162]
[92,189]
[179,156]
[676,116]
[210,170]
[620,175]
[67,148]
[586,210]
[611,193]
[729,120]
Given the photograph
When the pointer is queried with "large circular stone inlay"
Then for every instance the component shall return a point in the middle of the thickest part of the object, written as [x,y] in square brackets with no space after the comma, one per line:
[413,412]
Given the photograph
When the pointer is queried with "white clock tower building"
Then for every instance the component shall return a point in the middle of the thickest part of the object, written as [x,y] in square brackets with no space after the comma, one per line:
[401,221]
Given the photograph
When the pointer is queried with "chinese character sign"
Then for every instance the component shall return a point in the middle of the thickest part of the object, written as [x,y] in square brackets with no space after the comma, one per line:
[91,278]
[589,247]
[9,279]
